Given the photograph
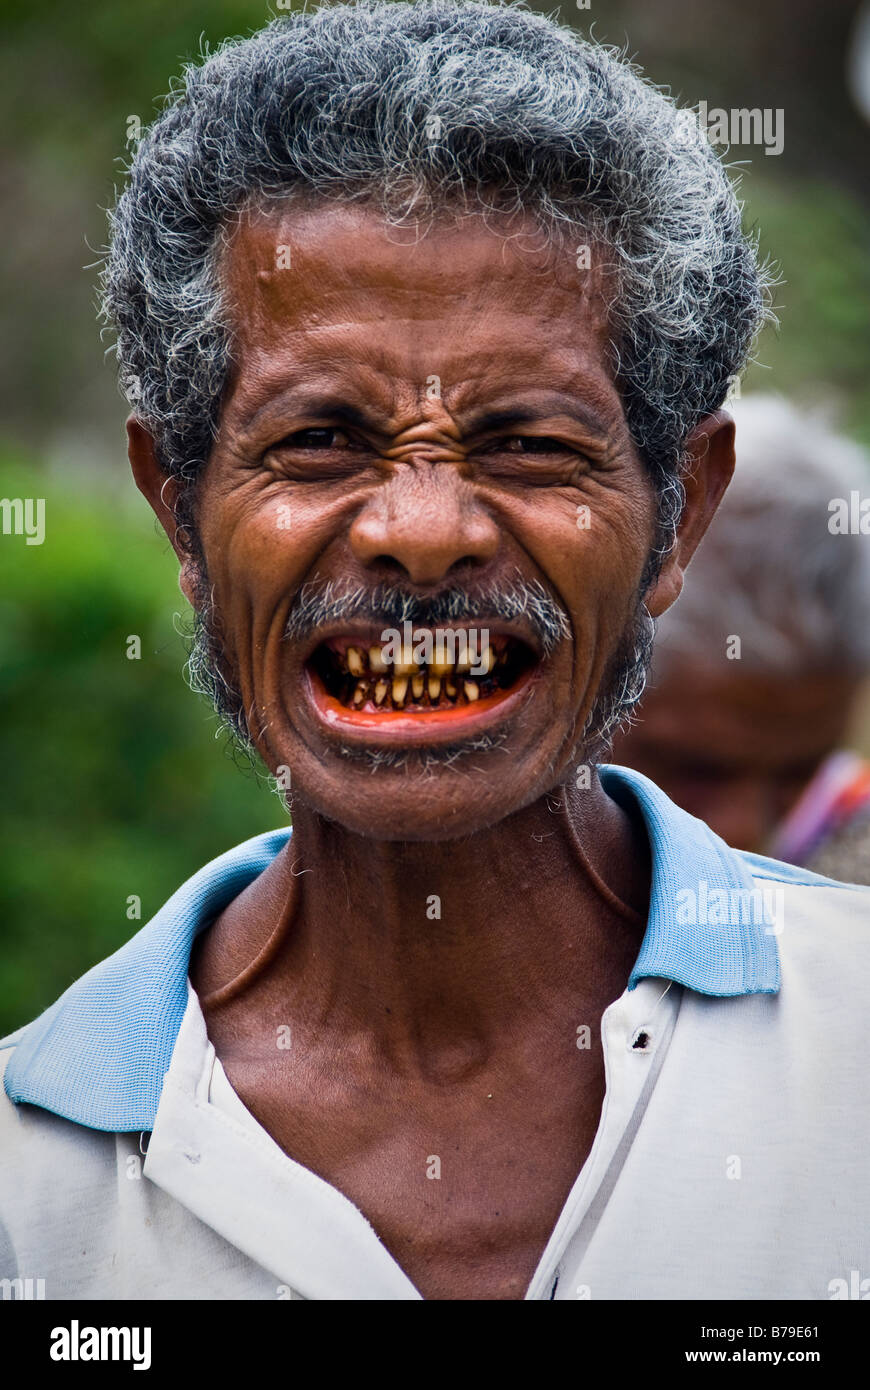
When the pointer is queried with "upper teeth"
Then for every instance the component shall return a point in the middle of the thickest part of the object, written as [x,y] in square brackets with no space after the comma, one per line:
[361,661]
[380,679]
[376,660]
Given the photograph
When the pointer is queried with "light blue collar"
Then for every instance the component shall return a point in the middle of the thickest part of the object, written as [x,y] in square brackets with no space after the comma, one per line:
[99,1054]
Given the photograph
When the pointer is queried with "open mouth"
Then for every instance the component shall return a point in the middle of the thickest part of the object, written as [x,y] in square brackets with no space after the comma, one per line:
[367,680]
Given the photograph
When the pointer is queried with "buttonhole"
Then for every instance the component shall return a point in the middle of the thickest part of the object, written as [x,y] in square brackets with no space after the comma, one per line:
[641,1040]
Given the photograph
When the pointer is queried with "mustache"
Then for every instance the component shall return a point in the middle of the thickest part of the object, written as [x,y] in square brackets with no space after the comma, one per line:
[322,603]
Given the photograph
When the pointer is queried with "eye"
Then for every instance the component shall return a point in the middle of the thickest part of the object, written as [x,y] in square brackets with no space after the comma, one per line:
[533,444]
[535,460]
[318,438]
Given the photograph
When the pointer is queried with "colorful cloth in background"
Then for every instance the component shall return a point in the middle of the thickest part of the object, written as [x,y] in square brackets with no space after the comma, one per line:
[828,830]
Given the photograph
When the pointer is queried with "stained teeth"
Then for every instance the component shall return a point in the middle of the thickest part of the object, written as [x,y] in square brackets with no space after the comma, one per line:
[372,677]
[407,666]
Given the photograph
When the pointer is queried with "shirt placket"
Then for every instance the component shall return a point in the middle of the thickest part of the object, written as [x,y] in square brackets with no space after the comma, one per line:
[635,1033]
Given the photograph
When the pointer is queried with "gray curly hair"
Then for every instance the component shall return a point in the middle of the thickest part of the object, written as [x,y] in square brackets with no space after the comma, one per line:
[420,107]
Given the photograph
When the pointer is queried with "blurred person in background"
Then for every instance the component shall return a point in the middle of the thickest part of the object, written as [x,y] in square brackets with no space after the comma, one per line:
[759,665]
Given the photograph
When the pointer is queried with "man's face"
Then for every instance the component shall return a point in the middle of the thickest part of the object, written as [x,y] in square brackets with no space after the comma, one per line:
[737,748]
[361,445]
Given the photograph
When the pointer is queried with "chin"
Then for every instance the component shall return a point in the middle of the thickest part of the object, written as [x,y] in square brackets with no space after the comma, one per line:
[418,799]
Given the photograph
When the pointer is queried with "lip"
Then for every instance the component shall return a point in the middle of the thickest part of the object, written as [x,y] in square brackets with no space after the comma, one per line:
[393,728]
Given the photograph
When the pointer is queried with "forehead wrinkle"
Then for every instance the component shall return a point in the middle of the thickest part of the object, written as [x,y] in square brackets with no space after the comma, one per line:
[291,298]
[389,359]
[321,269]
[375,369]
[311,230]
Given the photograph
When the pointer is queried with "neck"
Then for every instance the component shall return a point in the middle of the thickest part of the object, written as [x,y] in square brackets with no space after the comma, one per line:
[430,945]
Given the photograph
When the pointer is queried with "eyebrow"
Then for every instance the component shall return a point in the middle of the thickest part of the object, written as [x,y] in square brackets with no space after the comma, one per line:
[479,422]
[490,420]
[335,407]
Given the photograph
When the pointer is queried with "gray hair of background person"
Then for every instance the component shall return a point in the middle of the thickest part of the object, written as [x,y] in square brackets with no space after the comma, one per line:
[417,109]
[770,569]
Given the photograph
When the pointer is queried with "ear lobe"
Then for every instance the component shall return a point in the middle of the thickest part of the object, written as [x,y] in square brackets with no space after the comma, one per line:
[709,464]
[154,484]
[161,492]
[187,581]
[666,589]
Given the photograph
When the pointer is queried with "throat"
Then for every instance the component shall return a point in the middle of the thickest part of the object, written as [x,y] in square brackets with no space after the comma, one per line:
[437,954]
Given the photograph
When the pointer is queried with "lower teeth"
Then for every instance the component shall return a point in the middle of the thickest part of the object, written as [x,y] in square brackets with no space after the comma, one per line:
[385,694]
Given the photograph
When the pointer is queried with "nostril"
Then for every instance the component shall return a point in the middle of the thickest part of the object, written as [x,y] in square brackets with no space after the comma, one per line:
[437,572]
[389,564]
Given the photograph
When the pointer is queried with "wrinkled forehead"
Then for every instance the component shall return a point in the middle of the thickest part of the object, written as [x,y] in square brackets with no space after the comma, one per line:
[335,285]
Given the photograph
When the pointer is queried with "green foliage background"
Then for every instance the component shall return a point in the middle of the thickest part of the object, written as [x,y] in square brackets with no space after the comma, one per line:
[113,782]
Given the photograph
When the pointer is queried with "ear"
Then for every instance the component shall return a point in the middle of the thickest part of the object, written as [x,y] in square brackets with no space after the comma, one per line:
[709,465]
[162,493]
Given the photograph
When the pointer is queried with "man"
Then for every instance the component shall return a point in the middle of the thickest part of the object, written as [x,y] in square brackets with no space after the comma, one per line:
[760,663]
[417,303]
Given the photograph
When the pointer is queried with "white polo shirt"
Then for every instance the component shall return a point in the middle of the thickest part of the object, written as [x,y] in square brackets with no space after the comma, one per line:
[729,1161]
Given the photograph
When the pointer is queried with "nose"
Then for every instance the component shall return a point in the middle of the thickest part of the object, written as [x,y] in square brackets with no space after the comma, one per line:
[425,522]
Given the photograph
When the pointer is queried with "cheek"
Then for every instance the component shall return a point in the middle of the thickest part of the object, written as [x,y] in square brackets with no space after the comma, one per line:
[257,557]
[593,559]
